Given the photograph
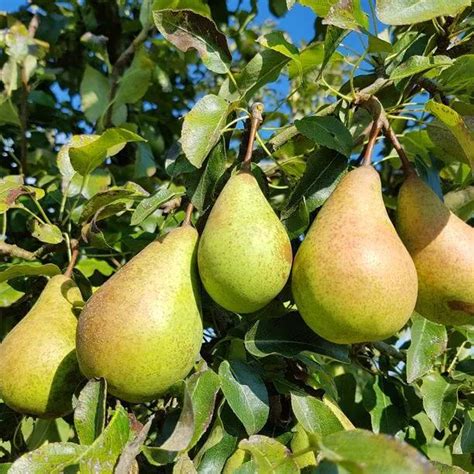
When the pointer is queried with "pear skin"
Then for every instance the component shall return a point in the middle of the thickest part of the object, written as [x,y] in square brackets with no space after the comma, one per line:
[142,329]
[244,253]
[38,366]
[353,280]
[442,247]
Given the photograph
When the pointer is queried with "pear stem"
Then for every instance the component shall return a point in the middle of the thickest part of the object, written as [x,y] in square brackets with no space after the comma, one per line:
[374,133]
[256,120]
[74,255]
[189,213]
[406,165]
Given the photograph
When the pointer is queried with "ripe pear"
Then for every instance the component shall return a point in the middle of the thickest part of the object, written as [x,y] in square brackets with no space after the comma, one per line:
[442,247]
[353,280]
[142,329]
[38,367]
[244,255]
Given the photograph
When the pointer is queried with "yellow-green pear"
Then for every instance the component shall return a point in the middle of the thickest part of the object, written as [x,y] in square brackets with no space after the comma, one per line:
[353,280]
[442,247]
[38,365]
[244,253]
[142,329]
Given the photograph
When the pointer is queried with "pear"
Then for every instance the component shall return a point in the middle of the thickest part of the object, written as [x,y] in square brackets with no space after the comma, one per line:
[142,329]
[353,280]
[38,366]
[442,247]
[244,255]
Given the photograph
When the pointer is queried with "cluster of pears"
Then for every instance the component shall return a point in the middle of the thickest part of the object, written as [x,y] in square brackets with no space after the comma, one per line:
[353,280]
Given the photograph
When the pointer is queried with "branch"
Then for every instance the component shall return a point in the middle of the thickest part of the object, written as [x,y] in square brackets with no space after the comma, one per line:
[15,251]
[120,65]
[433,89]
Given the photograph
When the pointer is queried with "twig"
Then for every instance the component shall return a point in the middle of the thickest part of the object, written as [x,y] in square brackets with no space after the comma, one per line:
[255,121]
[188,215]
[389,350]
[119,66]
[74,255]
[433,89]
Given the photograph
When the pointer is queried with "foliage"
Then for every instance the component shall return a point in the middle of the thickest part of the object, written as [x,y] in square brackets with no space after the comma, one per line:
[113,113]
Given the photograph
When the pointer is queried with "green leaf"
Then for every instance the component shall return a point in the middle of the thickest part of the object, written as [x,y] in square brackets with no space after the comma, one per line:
[245,393]
[102,199]
[314,415]
[324,169]
[384,403]
[90,411]
[8,295]
[298,220]
[132,86]
[149,205]
[458,78]
[88,266]
[363,452]
[95,92]
[347,14]
[310,59]
[203,388]
[10,188]
[145,165]
[5,467]
[263,68]
[51,458]
[289,336]
[29,269]
[269,455]
[103,453]
[417,64]
[8,111]
[461,202]
[203,194]
[428,341]
[220,443]
[184,429]
[464,443]
[440,399]
[320,7]
[378,45]
[406,12]
[47,233]
[277,42]
[187,29]
[326,131]
[126,462]
[332,40]
[86,158]
[456,125]
[202,128]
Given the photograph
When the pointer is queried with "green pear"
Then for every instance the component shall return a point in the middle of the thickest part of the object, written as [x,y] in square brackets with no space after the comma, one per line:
[244,255]
[38,366]
[442,247]
[142,329]
[353,280]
